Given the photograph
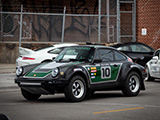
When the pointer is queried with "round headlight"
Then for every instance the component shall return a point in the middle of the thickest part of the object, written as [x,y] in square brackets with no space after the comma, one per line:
[19,71]
[55,72]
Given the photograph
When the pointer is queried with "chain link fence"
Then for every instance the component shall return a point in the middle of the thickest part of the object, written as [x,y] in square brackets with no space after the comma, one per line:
[75,23]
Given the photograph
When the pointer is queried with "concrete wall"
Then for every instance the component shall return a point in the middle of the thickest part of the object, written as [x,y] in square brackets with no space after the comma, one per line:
[9,50]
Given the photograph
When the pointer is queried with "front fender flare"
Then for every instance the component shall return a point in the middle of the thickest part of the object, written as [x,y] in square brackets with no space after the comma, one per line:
[81,72]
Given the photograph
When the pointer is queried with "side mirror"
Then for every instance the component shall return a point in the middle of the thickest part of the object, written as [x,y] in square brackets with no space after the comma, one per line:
[97,60]
[155,58]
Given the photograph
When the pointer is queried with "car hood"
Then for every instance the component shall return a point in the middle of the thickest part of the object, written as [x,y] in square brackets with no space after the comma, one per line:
[45,69]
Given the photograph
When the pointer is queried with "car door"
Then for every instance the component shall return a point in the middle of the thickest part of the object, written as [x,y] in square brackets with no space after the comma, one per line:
[155,65]
[107,70]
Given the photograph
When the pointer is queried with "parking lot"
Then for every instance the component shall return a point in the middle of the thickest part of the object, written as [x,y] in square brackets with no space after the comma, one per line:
[104,105]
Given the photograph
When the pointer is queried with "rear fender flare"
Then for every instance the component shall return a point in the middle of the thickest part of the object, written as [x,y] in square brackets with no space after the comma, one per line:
[124,74]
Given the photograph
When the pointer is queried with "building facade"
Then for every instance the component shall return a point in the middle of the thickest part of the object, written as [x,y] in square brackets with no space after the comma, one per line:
[38,23]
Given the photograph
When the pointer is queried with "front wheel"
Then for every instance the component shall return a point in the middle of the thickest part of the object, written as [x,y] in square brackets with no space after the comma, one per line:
[29,96]
[75,91]
[132,84]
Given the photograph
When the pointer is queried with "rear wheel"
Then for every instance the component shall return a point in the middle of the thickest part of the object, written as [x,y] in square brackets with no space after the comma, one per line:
[75,91]
[132,84]
[29,96]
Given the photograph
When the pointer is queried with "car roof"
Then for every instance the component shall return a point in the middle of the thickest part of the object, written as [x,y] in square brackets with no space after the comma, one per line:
[94,46]
[122,44]
[130,43]
[64,44]
[55,46]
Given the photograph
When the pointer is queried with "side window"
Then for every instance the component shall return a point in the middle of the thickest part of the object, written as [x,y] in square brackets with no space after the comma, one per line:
[119,56]
[140,48]
[106,55]
[97,55]
[55,51]
[70,54]
[124,48]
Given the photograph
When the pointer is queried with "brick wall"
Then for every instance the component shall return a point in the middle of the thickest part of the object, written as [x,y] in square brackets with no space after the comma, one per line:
[148,16]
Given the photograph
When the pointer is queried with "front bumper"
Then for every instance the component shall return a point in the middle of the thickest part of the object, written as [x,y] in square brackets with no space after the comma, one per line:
[37,86]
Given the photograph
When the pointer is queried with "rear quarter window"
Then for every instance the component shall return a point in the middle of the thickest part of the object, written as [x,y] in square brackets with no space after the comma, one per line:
[105,54]
[123,48]
[140,48]
[119,56]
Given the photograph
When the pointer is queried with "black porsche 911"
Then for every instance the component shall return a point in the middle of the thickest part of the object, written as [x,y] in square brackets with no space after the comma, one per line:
[79,71]
[138,52]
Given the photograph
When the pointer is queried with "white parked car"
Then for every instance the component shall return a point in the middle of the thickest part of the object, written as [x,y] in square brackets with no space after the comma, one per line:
[28,56]
[153,67]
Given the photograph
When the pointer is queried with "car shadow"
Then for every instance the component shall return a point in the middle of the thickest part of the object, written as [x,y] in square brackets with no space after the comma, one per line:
[105,95]
[46,99]
[60,98]
[156,80]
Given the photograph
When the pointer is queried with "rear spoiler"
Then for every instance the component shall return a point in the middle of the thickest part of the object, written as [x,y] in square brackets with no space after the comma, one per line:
[25,51]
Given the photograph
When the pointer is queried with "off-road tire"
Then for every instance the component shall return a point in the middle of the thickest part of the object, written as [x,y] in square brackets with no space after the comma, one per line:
[132,84]
[75,91]
[29,96]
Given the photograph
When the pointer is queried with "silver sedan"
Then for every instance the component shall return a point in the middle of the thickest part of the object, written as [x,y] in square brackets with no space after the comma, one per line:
[153,66]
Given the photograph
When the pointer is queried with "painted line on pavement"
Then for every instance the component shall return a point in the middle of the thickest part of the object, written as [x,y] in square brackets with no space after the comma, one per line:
[117,110]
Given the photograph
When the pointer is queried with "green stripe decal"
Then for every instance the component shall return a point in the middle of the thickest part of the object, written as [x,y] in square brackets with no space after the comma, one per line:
[36,73]
[102,75]
[32,74]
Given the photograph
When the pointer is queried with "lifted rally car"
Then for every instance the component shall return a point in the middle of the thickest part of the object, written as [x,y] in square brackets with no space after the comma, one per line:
[79,71]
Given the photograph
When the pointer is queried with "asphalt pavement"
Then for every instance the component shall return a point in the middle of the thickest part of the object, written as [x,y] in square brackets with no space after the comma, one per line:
[101,106]
[7,68]
[7,75]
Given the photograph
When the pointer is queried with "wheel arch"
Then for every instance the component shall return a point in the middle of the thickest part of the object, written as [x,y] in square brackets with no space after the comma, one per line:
[83,75]
[46,60]
[127,71]
[147,65]
[150,76]
[140,75]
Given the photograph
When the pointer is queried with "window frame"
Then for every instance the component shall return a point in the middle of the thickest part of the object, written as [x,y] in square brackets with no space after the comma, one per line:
[114,55]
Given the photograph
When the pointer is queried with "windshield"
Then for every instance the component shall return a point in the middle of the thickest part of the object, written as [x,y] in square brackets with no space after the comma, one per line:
[76,54]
